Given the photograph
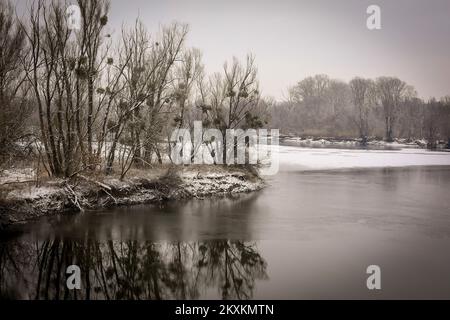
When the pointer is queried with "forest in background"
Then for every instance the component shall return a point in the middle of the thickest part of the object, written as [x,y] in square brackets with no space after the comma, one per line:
[383,108]
[88,100]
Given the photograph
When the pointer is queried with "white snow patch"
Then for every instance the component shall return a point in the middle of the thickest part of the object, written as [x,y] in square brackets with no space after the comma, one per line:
[17,175]
[317,159]
[33,193]
[219,183]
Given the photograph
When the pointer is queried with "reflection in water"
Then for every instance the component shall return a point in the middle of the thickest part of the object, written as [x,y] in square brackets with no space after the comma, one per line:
[193,220]
[130,270]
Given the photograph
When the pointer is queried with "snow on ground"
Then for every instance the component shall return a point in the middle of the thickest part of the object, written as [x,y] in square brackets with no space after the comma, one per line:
[398,143]
[34,193]
[207,183]
[17,175]
[319,159]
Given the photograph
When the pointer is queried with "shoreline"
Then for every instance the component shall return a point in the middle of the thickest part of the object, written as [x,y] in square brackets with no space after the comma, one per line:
[24,202]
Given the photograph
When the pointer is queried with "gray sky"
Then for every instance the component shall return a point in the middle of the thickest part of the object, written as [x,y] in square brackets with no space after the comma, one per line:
[292,39]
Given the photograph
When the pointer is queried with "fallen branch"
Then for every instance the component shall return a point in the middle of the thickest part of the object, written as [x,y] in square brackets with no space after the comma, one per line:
[107,189]
[75,201]
[109,194]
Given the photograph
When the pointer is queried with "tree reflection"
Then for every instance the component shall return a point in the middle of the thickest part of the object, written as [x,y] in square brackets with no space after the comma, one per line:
[130,270]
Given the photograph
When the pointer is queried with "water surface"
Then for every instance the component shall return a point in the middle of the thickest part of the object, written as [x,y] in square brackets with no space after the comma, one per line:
[309,235]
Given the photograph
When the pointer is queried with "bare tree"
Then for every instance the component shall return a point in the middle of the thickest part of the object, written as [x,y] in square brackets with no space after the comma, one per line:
[232,98]
[94,14]
[310,96]
[411,122]
[445,119]
[14,103]
[392,92]
[45,39]
[188,71]
[166,53]
[62,69]
[338,100]
[364,99]
[140,107]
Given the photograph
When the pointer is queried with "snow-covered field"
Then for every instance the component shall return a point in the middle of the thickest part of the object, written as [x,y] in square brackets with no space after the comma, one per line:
[322,159]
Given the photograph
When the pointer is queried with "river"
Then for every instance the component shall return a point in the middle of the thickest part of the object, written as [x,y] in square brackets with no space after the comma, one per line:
[311,234]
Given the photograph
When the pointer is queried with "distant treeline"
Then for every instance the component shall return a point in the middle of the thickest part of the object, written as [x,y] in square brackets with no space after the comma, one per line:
[383,108]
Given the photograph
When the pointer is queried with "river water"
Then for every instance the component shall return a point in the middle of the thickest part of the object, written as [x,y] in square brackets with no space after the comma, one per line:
[308,235]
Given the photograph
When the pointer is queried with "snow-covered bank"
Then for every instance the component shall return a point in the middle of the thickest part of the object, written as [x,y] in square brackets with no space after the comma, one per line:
[22,202]
[351,143]
[295,158]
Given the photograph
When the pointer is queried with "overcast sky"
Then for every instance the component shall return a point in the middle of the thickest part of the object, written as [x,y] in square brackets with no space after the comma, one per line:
[293,39]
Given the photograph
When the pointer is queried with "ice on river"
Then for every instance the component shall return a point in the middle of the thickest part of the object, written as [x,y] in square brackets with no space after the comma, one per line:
[322,159]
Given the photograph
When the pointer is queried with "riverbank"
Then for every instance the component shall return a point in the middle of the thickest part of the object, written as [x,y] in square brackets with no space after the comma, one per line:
[372,143]
[21,200]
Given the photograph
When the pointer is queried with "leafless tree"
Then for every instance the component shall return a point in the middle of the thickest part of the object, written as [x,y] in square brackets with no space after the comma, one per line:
[231,98]
[392,92]
[14,102]
[63,66]
[94,15]
[338,105]
[364,99]
[165,56]
[411,122]
[47,39]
